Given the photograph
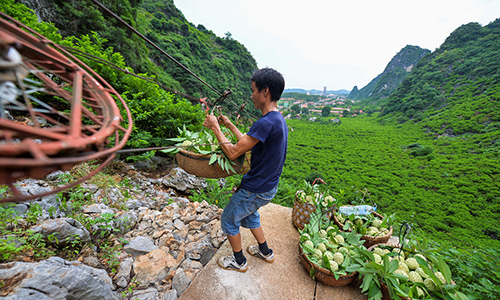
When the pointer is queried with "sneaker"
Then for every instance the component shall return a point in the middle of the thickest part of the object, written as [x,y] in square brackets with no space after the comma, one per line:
[230,263]
[255,251]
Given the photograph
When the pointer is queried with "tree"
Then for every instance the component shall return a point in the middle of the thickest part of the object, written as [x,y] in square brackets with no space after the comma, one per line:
[325,112]
[295,108]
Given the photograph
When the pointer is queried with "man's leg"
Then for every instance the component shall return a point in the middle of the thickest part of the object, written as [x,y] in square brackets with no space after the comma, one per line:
[262,251]
[235,242]
[258,234]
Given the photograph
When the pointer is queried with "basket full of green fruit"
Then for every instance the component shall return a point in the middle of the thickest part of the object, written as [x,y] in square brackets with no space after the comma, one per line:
[329,255]
[200,154]
[374,228]
[396,272]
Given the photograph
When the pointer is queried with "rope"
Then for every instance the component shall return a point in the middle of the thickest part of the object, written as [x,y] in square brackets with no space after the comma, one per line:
[222,96]
[155,46]
[167,147]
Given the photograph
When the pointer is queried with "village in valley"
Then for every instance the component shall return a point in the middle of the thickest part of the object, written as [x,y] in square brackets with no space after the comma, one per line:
[311,107]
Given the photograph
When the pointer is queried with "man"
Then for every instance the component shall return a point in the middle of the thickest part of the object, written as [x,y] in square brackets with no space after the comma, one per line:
[267,138]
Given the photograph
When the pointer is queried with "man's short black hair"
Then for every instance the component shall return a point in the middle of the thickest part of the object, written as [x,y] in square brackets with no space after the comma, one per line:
[269,78]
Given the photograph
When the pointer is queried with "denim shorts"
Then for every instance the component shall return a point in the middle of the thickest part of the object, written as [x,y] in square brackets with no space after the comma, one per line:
[242,210]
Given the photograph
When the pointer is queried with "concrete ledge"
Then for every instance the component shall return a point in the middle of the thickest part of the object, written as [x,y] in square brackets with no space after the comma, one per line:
[283,279]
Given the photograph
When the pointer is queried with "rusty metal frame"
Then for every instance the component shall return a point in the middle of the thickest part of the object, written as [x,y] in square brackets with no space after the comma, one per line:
[82,134]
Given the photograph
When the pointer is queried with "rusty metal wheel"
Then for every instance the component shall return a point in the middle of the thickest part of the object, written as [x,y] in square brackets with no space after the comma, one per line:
[55,112]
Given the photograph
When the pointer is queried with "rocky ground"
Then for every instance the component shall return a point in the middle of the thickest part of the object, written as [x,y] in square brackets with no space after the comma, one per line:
[142,240]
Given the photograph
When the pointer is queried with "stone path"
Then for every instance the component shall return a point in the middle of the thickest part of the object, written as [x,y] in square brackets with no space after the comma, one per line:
[283,279]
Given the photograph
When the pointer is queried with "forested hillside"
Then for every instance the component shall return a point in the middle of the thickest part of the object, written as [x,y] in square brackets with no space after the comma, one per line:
[389,80]
[456,89]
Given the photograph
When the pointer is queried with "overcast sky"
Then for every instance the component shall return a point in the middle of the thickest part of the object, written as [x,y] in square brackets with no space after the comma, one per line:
[333,43]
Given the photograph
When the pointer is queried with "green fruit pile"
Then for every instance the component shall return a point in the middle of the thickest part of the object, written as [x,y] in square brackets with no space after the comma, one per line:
[410,273]
[332,249]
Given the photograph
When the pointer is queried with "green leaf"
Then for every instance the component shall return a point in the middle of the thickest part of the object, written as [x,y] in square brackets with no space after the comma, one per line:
[393,266]
[213,158]
[367,280]
[312,272]
[177,139]
[204,152]
[326,262]
[445,270]
[352,268]
[307,248]
[170,150]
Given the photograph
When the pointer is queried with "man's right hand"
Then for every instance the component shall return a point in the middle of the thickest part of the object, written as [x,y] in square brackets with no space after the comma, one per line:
[224,120]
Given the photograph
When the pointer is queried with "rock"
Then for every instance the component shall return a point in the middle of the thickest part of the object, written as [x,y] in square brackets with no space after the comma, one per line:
[140,246]
[50,205]
[123,276]
[125,221]
[151,267]
[191,264]
[65,230]
[20,208]
[97,208]
[147,294]
[92,261]
[182,181]
[169,295]
[135,204]
[92,188]
[54,278]
[206,255]
[179,224]
[180,281]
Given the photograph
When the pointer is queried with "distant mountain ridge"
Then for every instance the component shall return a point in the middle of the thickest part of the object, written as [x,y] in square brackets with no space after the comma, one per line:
[389,80]
[317,92]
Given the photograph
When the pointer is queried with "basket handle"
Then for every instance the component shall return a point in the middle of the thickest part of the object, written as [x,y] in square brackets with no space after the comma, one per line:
[320,180]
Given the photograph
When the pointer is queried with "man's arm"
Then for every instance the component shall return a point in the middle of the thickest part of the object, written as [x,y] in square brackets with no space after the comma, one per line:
[244,144]
[226,122]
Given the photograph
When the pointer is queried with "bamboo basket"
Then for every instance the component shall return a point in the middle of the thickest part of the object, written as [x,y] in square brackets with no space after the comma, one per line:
[369,239]
[325,275]
[198,165]
[301,212]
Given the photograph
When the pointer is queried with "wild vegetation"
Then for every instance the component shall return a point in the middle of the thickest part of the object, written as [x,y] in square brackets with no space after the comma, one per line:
[20,242]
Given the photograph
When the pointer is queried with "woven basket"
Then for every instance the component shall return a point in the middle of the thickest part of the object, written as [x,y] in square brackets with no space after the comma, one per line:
[301,212]
[383,287]
[325,275]
[198,165]
[369,239]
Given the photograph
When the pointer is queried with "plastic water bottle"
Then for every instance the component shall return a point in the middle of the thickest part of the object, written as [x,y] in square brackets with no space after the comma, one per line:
[357,209]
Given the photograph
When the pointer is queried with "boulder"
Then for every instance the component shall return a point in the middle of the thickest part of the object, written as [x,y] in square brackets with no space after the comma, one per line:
[183,181]
[65,230]
[139,246]
[54,278]
[151,267]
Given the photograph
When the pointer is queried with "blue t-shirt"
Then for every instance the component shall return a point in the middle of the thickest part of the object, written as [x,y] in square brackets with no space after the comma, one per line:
[268,155]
